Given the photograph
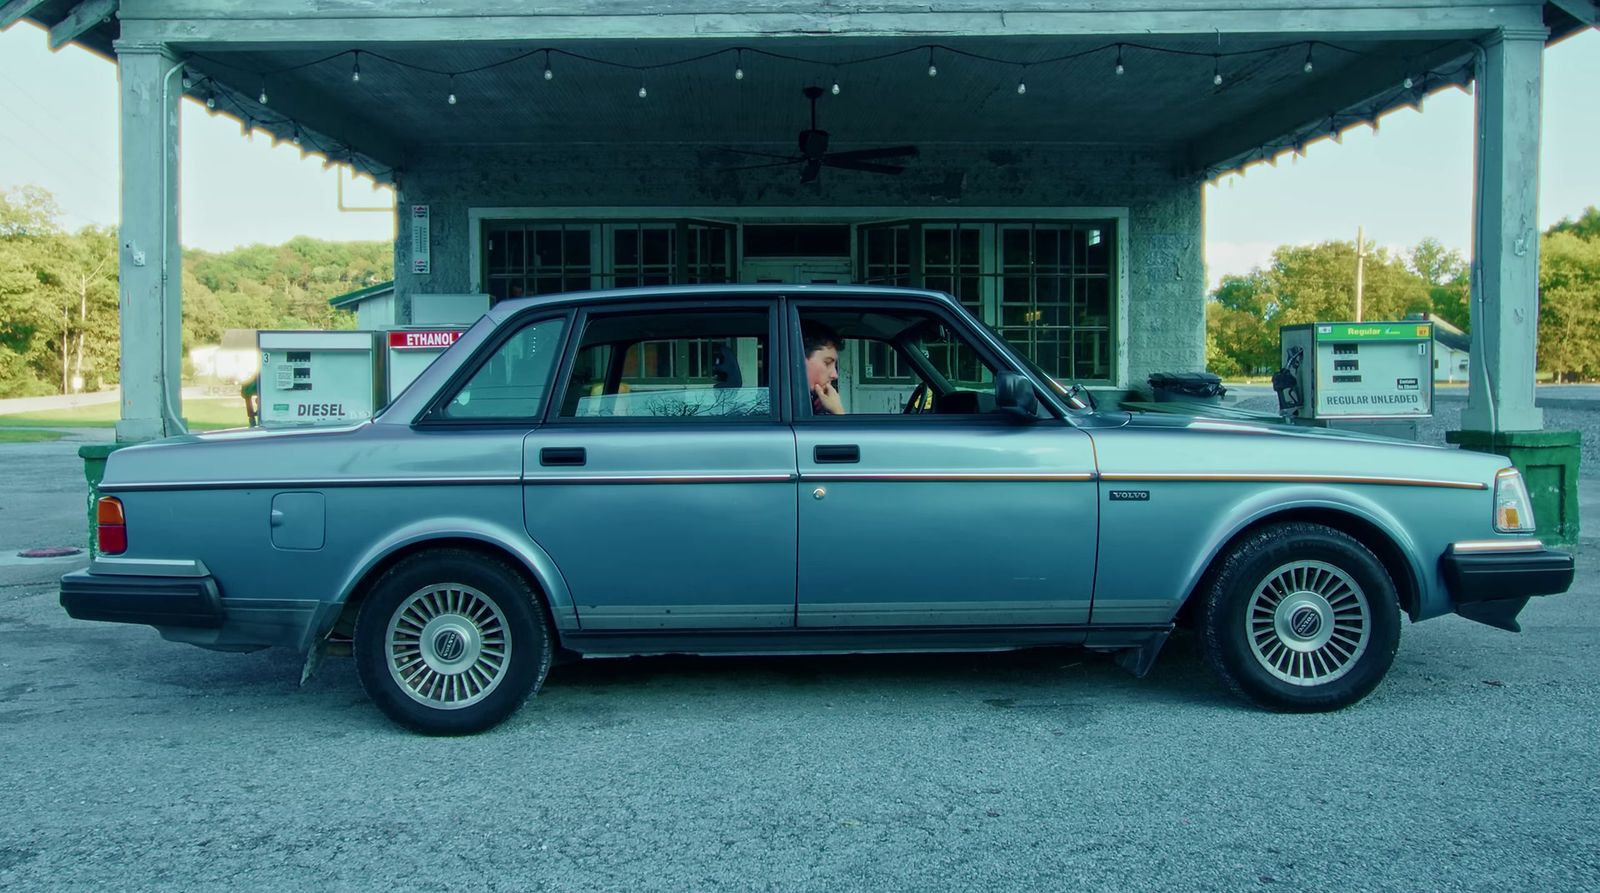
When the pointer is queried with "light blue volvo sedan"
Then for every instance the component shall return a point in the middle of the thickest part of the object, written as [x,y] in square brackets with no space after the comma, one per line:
[786,469]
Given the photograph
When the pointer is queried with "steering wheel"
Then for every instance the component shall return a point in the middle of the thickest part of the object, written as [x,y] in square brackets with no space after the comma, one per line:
[914,403]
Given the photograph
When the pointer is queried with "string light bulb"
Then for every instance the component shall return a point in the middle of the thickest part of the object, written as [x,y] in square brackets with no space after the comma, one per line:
[452,97]
[355,69]
[1408,83]
[643,93]
[1022,86]
[211,101]
[188,82]
[738,67]
[1119,69]
[1216,71]
[548,74]
[1308,65]
[263,97]
[933,70]
[835,88]
[296,138]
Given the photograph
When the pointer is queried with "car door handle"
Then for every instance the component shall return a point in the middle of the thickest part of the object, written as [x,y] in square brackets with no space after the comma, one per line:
[569,456]
[836,452]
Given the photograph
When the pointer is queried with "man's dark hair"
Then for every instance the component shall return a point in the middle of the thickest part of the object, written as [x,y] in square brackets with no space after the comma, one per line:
[816,336]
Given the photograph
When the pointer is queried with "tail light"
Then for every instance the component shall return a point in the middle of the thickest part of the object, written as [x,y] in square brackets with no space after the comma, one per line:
[111,531]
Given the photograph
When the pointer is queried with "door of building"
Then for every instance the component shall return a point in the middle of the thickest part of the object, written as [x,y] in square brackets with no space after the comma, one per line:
[830,270]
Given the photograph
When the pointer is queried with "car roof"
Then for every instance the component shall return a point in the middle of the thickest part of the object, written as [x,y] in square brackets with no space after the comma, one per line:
[512,306]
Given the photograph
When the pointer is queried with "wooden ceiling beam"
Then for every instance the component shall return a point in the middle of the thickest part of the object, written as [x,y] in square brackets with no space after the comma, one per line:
[13,12]
[1233,141]
[84,16]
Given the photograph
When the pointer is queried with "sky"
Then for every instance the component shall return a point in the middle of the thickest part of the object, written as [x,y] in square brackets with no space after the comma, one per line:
[1410,179]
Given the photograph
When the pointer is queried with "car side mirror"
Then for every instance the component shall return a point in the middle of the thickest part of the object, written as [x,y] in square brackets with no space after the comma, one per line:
[1014,395]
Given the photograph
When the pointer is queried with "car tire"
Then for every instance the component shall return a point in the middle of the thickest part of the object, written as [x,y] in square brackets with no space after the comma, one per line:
[1299,617]
[451,642]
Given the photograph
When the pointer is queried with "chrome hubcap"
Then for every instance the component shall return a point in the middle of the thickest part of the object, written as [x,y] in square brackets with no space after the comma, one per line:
[448,646]
[1308,623]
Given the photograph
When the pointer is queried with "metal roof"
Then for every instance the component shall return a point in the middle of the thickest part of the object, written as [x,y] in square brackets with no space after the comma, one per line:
[362,294]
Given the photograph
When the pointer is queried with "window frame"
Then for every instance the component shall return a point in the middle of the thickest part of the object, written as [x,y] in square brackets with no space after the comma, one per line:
[990,304]
[799,391]
[777,385]
[430,416]
[602,233]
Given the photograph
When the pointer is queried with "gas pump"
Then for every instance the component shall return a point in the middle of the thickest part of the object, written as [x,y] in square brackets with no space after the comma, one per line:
[310,378]
[1372,376]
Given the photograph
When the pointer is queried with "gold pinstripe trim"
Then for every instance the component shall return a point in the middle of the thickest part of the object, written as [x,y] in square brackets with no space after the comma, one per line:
[1295,479]
[941,476]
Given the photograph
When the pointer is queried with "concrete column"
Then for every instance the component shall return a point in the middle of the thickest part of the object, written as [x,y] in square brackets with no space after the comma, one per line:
[1505,294]
[149,268]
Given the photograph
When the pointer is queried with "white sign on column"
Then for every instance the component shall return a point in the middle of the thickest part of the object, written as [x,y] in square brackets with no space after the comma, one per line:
[420,252]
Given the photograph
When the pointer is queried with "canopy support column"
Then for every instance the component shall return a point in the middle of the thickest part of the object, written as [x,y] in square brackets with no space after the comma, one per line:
[150,266]
[1505,289]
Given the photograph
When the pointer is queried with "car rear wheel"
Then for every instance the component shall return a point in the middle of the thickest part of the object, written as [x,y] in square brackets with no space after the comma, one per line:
[451,642]
[1300,617]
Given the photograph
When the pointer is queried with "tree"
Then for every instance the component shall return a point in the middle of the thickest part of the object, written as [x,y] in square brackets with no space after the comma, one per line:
[1587,226]
[1447,275]
[1305,284]
[1569,304]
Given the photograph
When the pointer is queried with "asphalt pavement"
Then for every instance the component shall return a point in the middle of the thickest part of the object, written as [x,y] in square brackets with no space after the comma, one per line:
[130,763]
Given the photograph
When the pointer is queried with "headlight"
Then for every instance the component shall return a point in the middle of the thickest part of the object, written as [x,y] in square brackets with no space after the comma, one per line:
[1513,510]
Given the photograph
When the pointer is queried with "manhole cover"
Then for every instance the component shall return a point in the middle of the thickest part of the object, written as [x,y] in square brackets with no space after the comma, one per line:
[48,552]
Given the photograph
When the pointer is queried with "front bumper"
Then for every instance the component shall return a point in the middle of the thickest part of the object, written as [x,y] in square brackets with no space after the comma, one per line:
[158,601]
[1491,581]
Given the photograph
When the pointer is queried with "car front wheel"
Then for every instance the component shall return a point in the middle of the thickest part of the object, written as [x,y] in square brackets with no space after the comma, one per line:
[451,642]
[1300,617]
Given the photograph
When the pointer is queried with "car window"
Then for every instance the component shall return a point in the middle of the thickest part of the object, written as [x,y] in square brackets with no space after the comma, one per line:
[906,362]
[514,381]
[671,364]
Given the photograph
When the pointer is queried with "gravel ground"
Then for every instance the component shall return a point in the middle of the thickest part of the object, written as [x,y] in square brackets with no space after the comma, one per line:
[130,763]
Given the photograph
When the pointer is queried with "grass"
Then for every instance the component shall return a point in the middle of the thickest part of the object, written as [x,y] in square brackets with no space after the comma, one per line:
[202,415]
[28,436]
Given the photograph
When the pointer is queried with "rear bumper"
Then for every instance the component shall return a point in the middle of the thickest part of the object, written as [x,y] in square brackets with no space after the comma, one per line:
[158,601]
[1491,582]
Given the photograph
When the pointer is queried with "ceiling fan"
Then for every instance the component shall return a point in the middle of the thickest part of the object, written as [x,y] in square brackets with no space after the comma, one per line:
[814,154]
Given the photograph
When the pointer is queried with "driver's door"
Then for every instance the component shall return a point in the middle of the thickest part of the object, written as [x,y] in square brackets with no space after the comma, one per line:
[919,519]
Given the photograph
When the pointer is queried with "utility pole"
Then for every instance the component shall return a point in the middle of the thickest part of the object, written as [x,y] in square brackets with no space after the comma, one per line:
[1361,269]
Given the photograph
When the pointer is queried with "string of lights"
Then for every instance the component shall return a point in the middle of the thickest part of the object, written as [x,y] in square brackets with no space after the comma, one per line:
[1121,51]
[1121,56]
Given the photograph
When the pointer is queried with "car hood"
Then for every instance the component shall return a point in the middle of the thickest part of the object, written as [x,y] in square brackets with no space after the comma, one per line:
[1161,444]
[1163,421]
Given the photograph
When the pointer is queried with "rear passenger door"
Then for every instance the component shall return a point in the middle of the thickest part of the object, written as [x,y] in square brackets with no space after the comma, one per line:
[663,480]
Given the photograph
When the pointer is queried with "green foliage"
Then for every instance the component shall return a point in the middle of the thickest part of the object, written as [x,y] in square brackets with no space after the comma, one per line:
[1317,283]
[1310,283]
[59,293]
[1447,276]
[1586,227]
[1569,302]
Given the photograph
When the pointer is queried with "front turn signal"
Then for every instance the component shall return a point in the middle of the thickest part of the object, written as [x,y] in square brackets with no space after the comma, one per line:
[1513,510]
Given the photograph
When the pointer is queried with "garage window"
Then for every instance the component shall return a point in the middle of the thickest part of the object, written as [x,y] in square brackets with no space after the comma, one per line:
[1048,287]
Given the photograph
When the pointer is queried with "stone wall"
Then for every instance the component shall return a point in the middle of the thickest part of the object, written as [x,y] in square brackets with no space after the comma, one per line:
[1165,294]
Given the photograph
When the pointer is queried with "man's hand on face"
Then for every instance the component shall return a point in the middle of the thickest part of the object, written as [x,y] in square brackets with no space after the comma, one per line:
[828,396]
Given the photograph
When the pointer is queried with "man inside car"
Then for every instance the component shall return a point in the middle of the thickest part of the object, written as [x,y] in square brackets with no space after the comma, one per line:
[822,347]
